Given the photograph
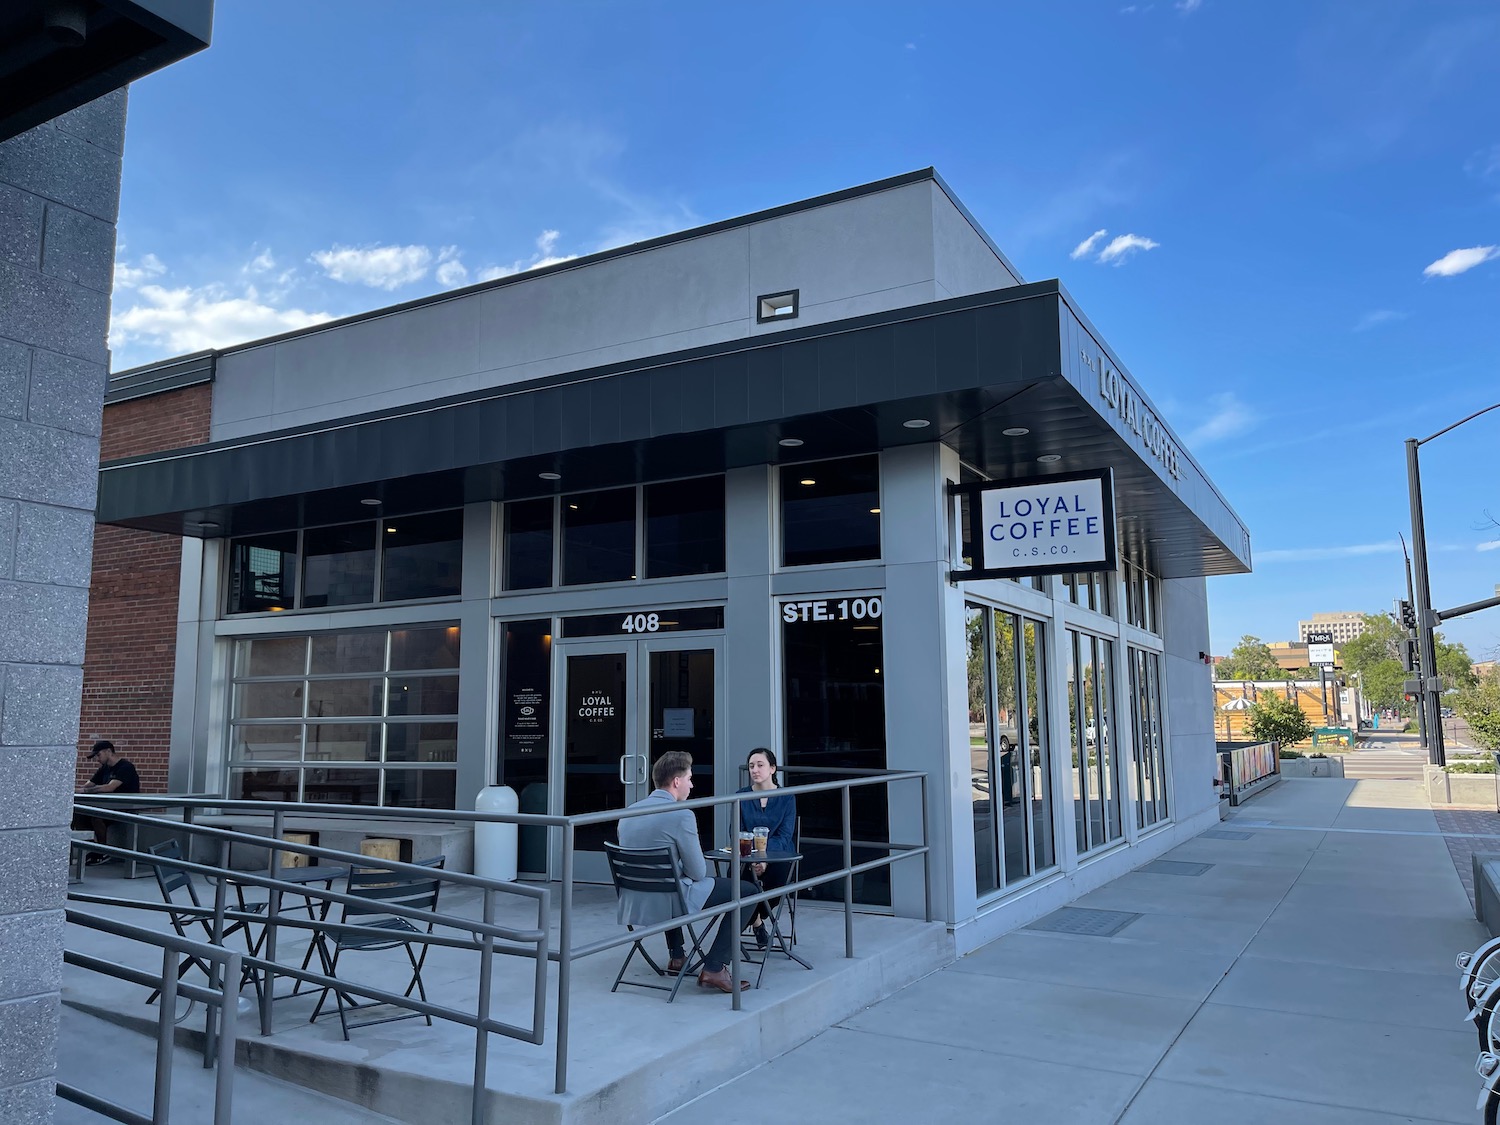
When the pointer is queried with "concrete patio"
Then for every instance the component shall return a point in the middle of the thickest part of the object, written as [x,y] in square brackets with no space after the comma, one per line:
[1294,964]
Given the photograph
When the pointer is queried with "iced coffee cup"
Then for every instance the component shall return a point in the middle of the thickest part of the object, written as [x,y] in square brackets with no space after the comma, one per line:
[761,839]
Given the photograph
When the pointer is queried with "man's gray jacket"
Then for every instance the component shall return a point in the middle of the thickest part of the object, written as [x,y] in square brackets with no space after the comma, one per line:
[672,827]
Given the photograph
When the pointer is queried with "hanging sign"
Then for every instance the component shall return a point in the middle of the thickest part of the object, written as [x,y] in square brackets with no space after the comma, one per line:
[1045,525]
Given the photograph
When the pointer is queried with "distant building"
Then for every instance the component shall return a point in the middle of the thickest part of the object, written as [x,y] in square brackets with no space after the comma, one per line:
[1483,668]
[1344,626]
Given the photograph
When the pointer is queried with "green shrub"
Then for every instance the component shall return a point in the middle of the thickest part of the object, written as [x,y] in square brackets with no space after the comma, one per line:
[1285,753]
[1471,767]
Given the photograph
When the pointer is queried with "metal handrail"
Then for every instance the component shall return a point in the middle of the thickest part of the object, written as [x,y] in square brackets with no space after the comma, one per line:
[224,998]
[486,934]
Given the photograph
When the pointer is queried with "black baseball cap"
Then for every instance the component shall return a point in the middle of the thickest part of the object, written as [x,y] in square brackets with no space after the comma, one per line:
[99,747]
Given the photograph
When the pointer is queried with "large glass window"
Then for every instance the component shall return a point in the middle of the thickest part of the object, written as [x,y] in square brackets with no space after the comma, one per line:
[1089,590]
[685,527]
[526,709]
[320,717]
[416,556]
[1096,795]
[598,537]
[528,544]
[1140,597]
[1150,748]
[422,556]
[1009,765]
[830,511]
[834,700]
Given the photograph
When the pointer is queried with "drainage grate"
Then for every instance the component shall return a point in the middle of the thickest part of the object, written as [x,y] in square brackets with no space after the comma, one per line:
[1173,867]
[1225,834]
[1080,920]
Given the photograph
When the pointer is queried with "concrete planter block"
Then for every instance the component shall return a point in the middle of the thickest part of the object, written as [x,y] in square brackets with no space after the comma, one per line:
[1473,790]
[1312,767]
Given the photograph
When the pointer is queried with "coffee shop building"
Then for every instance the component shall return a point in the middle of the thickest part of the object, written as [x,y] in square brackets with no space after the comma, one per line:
[829,478]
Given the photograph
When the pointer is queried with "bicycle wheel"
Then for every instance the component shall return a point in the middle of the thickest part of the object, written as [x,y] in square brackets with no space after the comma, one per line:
[1481,970]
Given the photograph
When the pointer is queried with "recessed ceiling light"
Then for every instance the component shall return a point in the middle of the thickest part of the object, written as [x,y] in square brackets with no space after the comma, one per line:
[1015,431]
[1048,458]
[208,525]
[370,502]
[391,530]
[790,442]
[916,423]
[574,507]
[550,476]
[874,511]
[808,480]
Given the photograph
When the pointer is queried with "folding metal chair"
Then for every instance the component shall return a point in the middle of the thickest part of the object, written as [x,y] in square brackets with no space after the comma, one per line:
[653,871]
[381,889]
[172,879]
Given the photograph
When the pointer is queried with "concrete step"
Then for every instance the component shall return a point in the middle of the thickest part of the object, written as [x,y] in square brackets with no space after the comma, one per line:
[102,1058]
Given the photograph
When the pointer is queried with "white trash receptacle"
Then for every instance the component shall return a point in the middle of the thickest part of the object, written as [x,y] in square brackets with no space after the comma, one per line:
[495,844]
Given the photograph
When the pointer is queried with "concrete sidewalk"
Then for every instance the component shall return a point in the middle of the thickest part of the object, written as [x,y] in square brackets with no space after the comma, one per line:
[1294,965]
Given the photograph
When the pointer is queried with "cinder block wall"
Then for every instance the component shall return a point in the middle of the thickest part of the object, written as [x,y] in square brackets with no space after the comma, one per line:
[132,628]
[59,197]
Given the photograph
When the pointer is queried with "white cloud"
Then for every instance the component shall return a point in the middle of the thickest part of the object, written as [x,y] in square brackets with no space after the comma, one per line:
[167,321]
[1376,317]
[1086,247]
[128,276]
[1125,245]
[1230,418]
[1485,164]
[1314,554]
[1456,262]
[450,272]
[1491,545]
[1188,7]
[380,267]
[261,263]
[546,243]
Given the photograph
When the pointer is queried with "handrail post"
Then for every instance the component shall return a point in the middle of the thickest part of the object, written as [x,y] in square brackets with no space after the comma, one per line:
[221,889]
[733,917]
[848,872]
[564,960]
[927,844]
[161,1095]
[273,910]
[482,1015]
[228,1013]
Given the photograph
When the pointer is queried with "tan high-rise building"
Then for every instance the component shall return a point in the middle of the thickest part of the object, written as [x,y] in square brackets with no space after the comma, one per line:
[1344,626]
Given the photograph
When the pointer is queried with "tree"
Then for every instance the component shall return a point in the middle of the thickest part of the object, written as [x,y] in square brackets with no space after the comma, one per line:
[1251,659]
[1453,664]
[1274,719]
[1376,655]
[1479,705]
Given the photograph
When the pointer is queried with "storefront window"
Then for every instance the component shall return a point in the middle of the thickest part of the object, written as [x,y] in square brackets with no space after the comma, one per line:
[1010,767]
[1150,762]
[833,692]
[422,556]
[416,556]
[1140,597]
[685,527]
[526,709]
[1089,590]
[1096,795]
[830,511]
[528,544]
[598,537]
[358,699]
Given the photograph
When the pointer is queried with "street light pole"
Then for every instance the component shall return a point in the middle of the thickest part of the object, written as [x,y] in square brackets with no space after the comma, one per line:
[1431,683]
[1432,729]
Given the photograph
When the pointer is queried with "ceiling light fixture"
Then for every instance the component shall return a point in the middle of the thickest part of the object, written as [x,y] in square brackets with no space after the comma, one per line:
[390,531]
[916,423]
[1048,458]
[370,502]
[790,442]
[550,476]
[808,480]
[1015,431]
[874,511]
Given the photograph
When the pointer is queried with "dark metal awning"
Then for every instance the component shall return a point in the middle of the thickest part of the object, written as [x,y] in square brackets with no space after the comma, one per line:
[974,367]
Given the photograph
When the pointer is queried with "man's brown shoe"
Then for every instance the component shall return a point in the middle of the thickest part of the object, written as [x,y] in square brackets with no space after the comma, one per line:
[675,966]
[720,980]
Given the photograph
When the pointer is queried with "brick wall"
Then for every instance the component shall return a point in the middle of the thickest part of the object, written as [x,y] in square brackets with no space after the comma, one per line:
[132,628]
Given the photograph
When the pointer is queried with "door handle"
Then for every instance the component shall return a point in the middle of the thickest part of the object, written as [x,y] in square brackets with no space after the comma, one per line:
[645,769]
[623,779]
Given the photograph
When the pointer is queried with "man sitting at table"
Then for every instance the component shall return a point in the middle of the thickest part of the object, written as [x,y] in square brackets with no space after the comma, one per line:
[116,774]
[675,828]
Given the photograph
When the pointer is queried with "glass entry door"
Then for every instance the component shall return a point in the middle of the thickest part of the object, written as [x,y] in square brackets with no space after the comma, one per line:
[625,703]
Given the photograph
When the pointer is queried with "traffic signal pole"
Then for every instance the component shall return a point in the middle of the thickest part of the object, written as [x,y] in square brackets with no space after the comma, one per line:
[1431,682]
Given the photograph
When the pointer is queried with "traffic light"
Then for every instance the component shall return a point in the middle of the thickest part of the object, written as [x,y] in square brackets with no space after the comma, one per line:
[1406,614]
[1409,658]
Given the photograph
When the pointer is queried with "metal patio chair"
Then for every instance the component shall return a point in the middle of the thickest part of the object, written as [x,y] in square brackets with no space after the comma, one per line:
[653,871]
[172,879]
[381,889]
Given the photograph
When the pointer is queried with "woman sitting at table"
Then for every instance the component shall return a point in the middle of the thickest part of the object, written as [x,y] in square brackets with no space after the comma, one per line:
[776,812]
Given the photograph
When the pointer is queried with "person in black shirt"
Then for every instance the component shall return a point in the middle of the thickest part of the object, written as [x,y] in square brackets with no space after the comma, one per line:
[116,774]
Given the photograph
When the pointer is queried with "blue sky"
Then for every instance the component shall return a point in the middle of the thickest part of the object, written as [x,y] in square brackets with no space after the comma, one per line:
[1300,207]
